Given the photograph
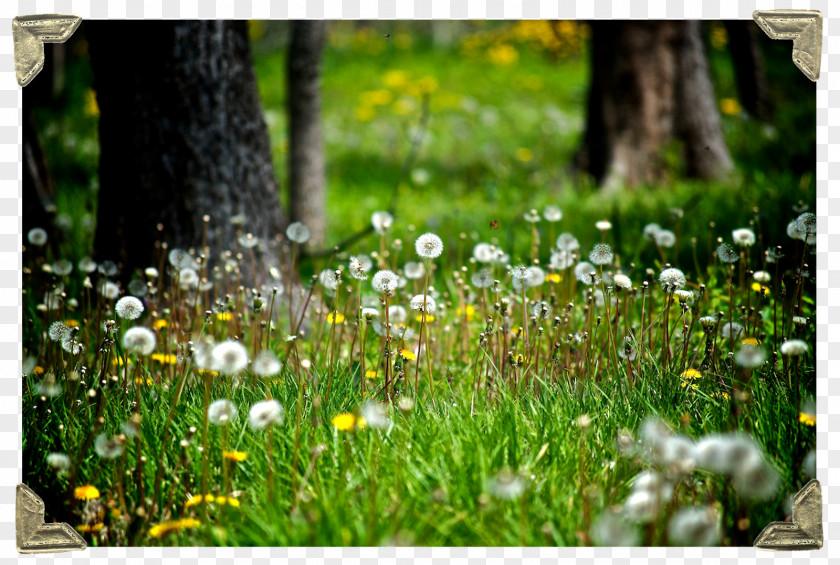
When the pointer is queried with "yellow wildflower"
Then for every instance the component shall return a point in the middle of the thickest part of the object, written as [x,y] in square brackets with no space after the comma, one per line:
[721,395]
[365,113]
[730,106]
[757,287]
[237,456]
[224,316]
[160,323]
[164,528]
[88,529]
[335,318]
[749,341]
[470,312]
[39,370]
[408,355]
[86,492]
[71,323]
[692,385]
[691,374]
[524,154]
[396,79]
[165,358]
[429,317]
[140,381]
[807,419]
[553,277]
[370,373]
[344,422]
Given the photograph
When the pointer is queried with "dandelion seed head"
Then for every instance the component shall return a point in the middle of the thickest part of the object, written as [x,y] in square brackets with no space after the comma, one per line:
[506,485]
[397,314]
[732,330]
[266,413]
[62,267]
[612,530]
[381,221]
[87,265]
[229,357]
[72,346]
[726,253]
[755,479]
[650,230]
[482,278]
[428,246]
[107,448]
[328,279]
[385,281]
[298,233]
[519,272]
[417,303]
[567,242]
[221,412]
[697,526]
[248,241]
[129,308]
[793,347]
[58,461]
[541,310]
[665,238]
[743,237]
[806,223]
[266,363]
[750,356]
[532,217]
[603,225]
[552,214]
[37,237]
[414,270]
[585,273]
[601,254]
[672,279]
[188,278]
[110,290]
[375,415]
[762,277]
[139,340]
[561,259]
[58,331]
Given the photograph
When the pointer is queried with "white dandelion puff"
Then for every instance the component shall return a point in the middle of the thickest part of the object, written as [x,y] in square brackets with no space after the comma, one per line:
[695,526]
[622,282]
[298,233]
[743,237]
[381,221]
[266,413]
[726,253]
[428,246]
[129,308]
[414,270]
[139,340]
[58,461]
[266,363]
[385,281]
[793,347]
[672,279]
[665,238]
[482,278]
[107,448]
[423,303]
[567,242]
[229,357]
[37,237]
[221,412]
[552,214]
[601,254]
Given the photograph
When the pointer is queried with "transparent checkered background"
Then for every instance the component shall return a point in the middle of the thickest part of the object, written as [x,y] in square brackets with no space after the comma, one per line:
[828,263]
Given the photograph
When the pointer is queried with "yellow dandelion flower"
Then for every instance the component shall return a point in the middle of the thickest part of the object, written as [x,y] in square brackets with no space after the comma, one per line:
[160,324]
[553,278]
[470,312]
[427,84]
[165,358]
[396,79]
[232,502]
[164,528]
[730,106]
[208,372]
[224,316]
[147,380]
[119,361]
[344,422]
[89,528]
[408,355]
[376,97]
[524,154]
[692,385]
[71,323]
[429,317]
[237,456]
[807,419]
[91,107]
[38,370]
[335,318]
[503,55]
[86,492]
[370,373]
[757,287]
[749,341]
[721,395]
[691,374]
[192,500]
[365,113]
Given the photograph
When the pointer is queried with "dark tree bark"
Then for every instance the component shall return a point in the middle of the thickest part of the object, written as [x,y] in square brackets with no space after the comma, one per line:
[307,181]
[749,68]
[182,136]
[650,87]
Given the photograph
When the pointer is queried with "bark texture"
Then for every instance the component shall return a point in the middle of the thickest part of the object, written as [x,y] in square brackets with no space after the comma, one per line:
[307,180]
[749,68]
[650,87]
[182,136]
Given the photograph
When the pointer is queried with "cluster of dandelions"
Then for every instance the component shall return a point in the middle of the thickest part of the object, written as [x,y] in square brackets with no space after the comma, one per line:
[672,458]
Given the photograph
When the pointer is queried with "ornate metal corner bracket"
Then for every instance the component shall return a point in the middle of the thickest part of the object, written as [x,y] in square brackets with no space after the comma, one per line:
[36,536]
[804,27]
[804,531]
[30,33]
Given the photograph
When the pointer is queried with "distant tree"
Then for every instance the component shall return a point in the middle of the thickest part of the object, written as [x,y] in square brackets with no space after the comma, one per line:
[749,68]
[182,136]
[307,180]
[650,87]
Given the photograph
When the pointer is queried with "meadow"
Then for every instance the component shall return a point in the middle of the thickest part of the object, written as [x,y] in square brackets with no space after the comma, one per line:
[510,358]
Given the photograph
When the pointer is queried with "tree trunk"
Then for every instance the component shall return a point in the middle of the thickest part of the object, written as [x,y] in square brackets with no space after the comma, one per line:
[749,68]
[38,189]
[640,100]
[307,181]
[182,136]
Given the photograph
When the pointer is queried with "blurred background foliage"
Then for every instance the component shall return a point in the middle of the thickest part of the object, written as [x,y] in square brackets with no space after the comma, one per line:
[507,106]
